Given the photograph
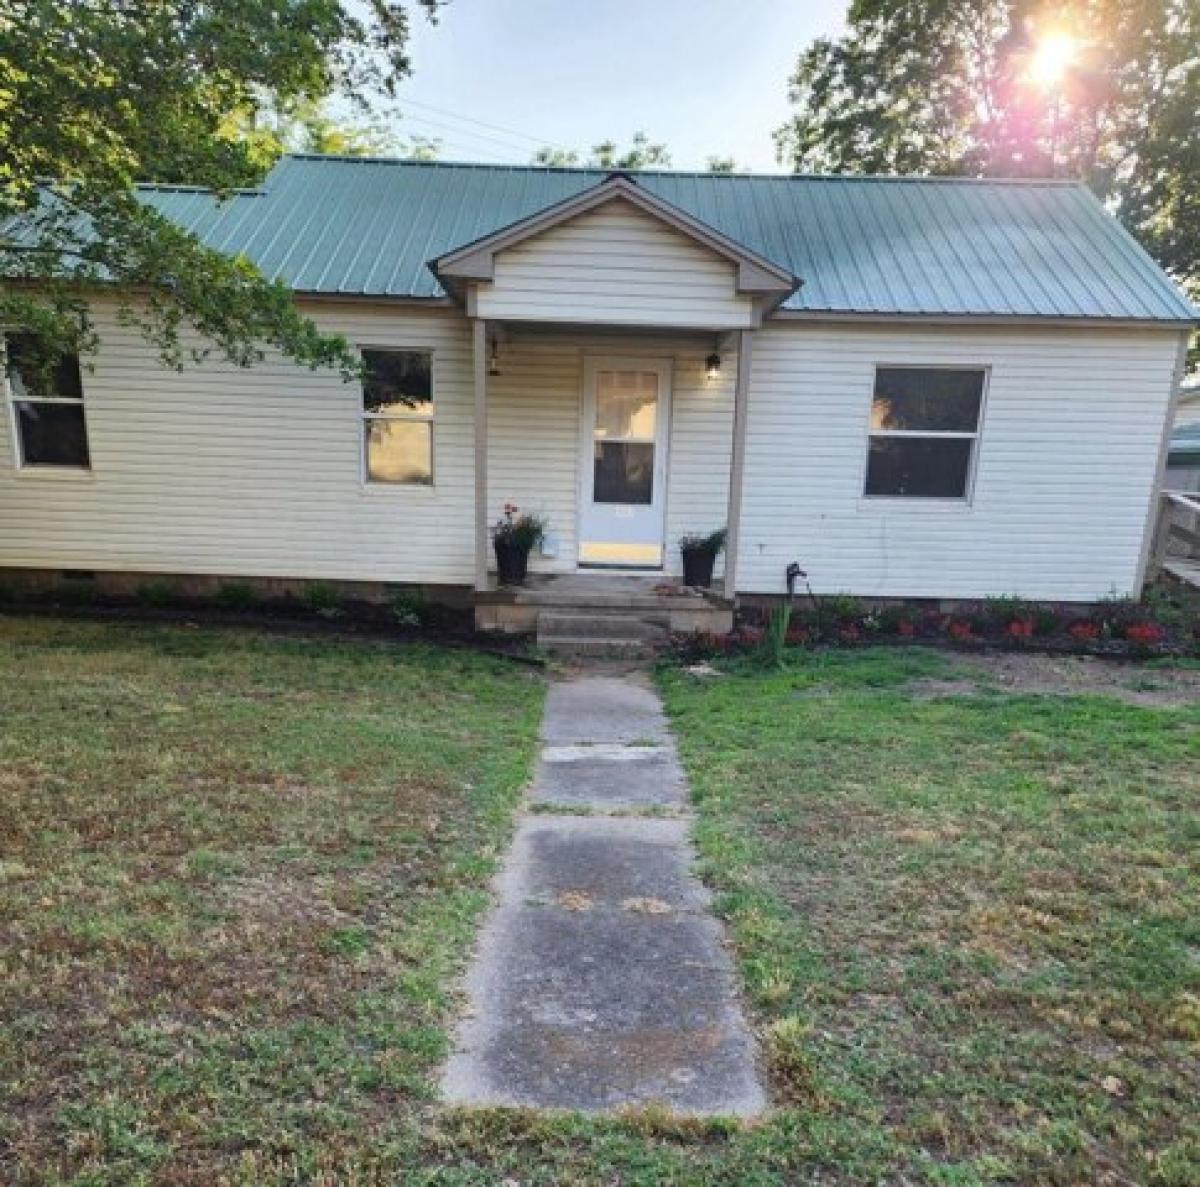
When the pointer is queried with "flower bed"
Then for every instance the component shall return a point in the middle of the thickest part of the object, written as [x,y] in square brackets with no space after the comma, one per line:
[1161,624]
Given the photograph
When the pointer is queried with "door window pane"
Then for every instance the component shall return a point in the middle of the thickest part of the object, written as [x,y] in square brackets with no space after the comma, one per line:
[399,450]
[626,404]
[927,399]
[52,434]
[624,472]
[925,467]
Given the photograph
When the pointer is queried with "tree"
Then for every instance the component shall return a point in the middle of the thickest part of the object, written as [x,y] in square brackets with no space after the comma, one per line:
[96,96]
[1103,90]
[641,154]
[310,127]
[720,165]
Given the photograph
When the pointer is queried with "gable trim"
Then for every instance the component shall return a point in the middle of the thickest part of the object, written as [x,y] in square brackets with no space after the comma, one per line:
[475,261]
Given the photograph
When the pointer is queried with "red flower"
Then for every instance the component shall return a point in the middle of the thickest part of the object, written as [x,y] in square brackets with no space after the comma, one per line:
[1020,628]
[1145,633]
[1083,632]
[960,631]
[905,629]
[849,633]
[799,634]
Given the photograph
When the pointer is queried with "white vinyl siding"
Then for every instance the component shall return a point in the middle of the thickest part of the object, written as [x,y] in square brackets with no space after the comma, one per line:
[258,472]
[534,433]
[1065,466]
[252,472]
[615,265]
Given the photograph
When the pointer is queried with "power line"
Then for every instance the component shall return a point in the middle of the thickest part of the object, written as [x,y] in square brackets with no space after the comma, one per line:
[465,132]
[482,123]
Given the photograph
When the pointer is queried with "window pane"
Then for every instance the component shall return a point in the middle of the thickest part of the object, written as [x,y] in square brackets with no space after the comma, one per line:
[52,434]
[399,450]
[25,378]
[624,472]
[929,399]
[626,404]
[398,381]
[928,467]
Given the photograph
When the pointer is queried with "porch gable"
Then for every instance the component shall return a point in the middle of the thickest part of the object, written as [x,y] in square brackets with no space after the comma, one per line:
[614,255]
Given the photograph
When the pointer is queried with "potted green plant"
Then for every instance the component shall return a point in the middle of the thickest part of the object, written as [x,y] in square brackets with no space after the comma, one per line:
[700,554]
[514,537]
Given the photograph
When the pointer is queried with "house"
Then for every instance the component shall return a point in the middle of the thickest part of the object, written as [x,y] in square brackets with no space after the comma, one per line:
[913,387]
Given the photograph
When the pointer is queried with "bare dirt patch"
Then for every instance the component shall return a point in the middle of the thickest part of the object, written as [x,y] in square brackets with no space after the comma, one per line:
[1057,675]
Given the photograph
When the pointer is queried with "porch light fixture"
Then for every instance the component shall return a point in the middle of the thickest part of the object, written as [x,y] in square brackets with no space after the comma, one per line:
[712,366]
[494,358]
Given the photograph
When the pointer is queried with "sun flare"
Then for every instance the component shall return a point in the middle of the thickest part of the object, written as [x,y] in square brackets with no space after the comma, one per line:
[1052,57]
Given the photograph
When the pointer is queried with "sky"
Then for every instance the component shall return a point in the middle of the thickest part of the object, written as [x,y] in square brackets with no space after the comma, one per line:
[496,79]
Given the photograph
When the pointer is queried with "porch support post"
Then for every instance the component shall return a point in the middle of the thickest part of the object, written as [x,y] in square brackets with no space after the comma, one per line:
[737,461]
[479,358]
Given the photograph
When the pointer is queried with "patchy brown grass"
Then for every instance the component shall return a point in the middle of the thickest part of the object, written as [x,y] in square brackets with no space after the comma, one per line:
[236,877]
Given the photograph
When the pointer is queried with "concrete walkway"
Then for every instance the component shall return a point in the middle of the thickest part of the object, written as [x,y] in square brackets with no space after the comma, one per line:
[601,982]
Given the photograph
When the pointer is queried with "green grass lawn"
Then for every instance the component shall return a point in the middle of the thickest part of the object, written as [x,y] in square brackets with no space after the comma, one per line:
[240,874]
[968,924]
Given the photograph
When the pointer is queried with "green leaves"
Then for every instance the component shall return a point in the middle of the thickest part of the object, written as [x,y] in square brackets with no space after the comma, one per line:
[955,87]
[96,97]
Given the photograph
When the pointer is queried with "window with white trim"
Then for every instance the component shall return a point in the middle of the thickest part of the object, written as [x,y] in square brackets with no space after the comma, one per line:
[46,405]
[924,431]
[398,416]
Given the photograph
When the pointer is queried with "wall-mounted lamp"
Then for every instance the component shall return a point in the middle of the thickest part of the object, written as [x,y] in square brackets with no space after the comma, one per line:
[712,366]
[494,358]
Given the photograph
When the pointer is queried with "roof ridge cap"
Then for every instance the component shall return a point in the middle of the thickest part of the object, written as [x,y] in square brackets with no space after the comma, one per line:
[608,171]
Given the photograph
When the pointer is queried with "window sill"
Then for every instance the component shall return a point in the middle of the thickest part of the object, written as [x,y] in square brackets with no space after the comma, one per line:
[55,473]
[914,503]
[379,490]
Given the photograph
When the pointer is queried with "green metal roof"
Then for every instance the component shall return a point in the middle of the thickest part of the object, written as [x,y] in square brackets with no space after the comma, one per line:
[880,245]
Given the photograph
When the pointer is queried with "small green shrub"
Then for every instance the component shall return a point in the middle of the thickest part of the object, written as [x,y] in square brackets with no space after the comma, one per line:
[322,598]
[1046,620]
[1165,608]
[407,607]
[156,593]
[843,609]
[236,595]
[75,591]
[998,612]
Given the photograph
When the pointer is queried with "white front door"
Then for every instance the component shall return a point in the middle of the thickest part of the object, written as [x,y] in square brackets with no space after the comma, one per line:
[626,405]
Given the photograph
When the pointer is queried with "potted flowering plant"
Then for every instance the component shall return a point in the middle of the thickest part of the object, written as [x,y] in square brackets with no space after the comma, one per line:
[514,537]
[700,555]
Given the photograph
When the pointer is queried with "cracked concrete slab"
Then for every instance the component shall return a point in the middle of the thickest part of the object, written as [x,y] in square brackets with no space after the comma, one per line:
[601,982]
[583,998]
[608,776]
[599,709]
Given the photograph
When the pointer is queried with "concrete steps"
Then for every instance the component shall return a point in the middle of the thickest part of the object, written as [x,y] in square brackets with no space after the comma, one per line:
[602,634]
[601,614]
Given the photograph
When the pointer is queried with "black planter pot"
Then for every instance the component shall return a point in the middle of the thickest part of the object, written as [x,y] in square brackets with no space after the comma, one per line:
[698,566]
[512,562]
